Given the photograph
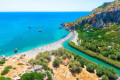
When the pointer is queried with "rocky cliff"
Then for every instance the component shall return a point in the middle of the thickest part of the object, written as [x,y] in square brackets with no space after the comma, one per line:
[99,18]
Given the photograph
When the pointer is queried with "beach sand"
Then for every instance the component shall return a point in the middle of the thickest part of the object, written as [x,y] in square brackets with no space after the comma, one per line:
[13,60]
[75,37]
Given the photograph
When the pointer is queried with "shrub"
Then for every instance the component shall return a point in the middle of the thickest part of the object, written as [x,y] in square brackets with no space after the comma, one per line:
[90,67]
[8,67]
[6,70]
[77,78]
[103,70]
[112,56]
[75,66]
[105,77]
[4,78]
[49,76]
[42,58]
[118,56]
[105,53]
[56,62]
[20,64]
[32,76]
[14,68]
[2,61]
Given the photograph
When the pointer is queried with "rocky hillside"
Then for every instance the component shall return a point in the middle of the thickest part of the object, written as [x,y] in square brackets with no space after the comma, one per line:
[99,18]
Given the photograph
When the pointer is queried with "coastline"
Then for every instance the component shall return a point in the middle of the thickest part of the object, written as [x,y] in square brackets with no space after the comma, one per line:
[75,38]
[33,52]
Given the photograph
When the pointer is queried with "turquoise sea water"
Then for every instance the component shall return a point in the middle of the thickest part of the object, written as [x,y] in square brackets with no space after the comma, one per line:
[14,31]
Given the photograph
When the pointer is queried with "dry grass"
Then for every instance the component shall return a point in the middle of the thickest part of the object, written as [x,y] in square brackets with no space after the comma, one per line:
[17,69]
[63,73]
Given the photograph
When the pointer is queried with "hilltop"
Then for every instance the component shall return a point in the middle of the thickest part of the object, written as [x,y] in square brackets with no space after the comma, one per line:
[99,17]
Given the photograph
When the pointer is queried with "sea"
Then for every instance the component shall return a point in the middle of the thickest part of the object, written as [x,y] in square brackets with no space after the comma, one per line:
[29,30]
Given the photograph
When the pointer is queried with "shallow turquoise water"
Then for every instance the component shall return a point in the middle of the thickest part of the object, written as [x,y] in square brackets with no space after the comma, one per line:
[65,44]
[14,31]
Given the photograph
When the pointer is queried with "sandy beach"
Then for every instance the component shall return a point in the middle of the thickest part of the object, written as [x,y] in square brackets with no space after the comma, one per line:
[75,37]
[53,46]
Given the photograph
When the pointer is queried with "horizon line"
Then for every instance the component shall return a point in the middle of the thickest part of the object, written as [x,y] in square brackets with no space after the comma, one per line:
[45,11]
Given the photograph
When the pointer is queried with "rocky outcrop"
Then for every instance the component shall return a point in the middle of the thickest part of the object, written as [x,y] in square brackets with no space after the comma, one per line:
[104,18]
[99,20]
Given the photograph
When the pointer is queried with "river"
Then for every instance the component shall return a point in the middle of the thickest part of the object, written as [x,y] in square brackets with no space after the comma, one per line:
[66,46]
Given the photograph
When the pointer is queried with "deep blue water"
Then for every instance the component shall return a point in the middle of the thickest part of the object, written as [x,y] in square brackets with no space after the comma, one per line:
[14,31]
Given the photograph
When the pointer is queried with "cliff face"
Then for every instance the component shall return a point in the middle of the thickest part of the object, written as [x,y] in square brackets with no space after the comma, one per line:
[100,17]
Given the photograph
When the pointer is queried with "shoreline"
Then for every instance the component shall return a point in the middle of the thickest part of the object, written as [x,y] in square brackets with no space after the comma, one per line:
[52,46]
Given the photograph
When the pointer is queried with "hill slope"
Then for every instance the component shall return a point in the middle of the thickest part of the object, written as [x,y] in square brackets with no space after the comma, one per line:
[100,17]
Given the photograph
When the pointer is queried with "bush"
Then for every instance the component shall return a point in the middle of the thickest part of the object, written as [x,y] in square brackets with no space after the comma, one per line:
[4,78]
[20,64]
[90,67]
[56,62]
[49,76]
[32,76]
[75,66]
[118,56]
[6,70]
[2,62]
[104,77]
[112,56]
[103,70]
[42,58]
[8,67]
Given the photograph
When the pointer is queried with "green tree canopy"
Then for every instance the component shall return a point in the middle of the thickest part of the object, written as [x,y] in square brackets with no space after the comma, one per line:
[75,66]
[32,76]
[90,67]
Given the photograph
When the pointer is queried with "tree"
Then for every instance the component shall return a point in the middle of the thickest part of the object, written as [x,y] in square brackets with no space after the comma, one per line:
[32,76]
[75,66]
[113,56]
[118,56]
[41,59]
[90,67]
[105,53]
[4,78]
[56,62]
[49,76]
[105,77]
[103,70]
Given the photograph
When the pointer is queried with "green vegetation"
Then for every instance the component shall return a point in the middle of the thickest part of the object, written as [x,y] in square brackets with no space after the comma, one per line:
[95,54]
[14,68]
[109,72]
[49,76]
[62,53]
[32,76]
[20,64]
[75,66]
[56,62]
[6,70]
[95,11]
[2,62]
[104,77]
[4,78]
[100,69]
[90,67]
[41,59]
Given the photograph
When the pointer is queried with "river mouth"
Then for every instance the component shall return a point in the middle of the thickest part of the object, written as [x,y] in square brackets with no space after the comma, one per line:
[66,46]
